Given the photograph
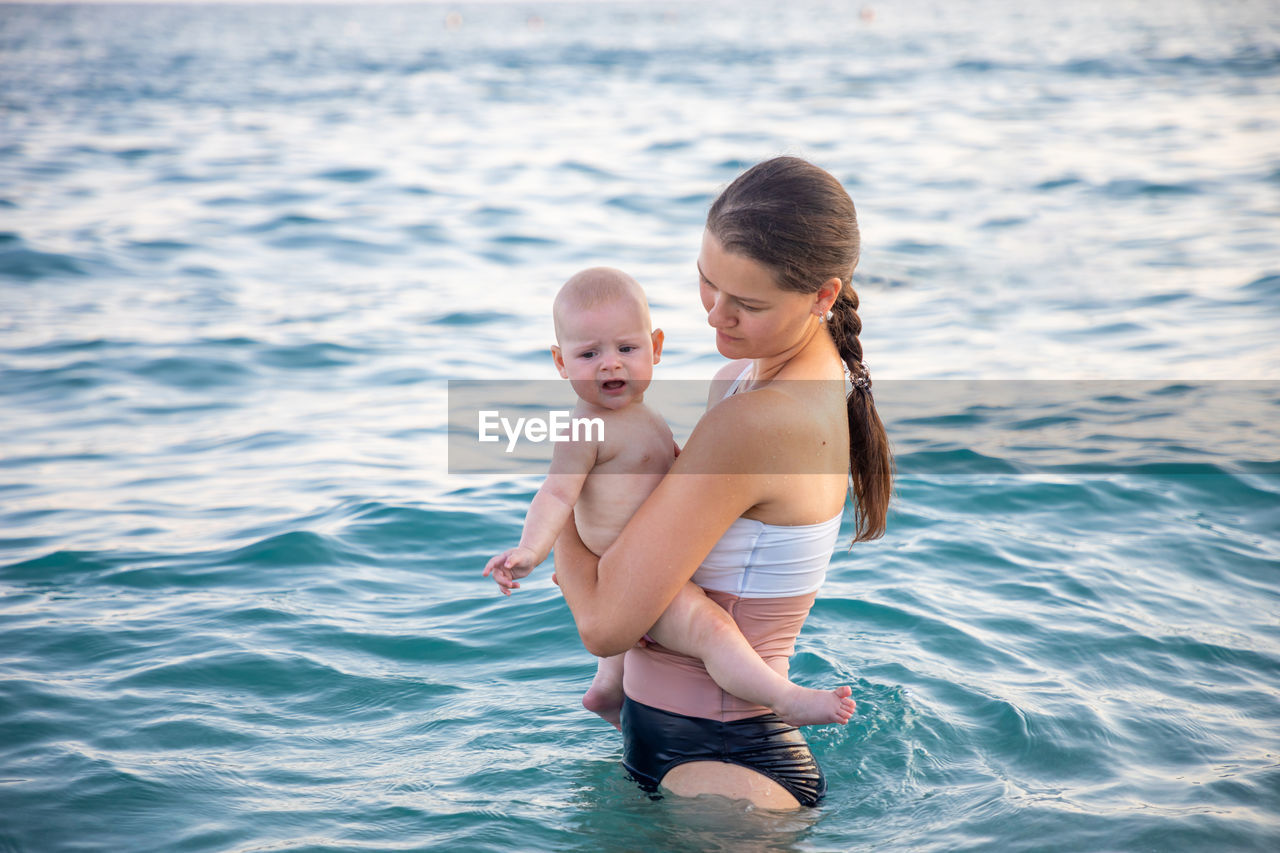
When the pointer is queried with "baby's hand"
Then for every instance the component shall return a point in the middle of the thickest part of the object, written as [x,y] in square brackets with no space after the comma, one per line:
[509,565]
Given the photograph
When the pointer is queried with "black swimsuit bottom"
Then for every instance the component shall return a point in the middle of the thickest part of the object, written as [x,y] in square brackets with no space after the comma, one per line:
[654,741]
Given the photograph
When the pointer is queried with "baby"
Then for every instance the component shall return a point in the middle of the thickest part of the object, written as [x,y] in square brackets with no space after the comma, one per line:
[606,349]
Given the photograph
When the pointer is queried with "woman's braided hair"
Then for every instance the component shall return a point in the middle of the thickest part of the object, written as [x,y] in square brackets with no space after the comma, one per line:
[797,220]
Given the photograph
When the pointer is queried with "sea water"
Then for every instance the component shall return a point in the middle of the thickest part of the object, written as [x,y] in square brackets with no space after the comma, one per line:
[244,250]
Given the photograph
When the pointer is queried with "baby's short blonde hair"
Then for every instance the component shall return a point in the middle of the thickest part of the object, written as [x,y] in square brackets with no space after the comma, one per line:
[597,286]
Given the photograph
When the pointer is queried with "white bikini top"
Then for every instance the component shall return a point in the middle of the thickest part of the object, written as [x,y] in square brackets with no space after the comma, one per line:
[754,559]
[758,560]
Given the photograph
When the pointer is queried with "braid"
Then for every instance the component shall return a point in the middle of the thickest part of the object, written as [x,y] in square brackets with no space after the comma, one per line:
[845,326]
[871,469]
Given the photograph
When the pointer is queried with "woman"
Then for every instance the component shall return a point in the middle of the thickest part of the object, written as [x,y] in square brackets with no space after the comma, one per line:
[751,510]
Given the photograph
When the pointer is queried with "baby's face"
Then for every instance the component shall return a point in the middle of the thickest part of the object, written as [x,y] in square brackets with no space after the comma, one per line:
[607,353]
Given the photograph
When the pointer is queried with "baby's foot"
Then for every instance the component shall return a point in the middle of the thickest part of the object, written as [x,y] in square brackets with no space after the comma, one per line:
[804,706]
[605,698]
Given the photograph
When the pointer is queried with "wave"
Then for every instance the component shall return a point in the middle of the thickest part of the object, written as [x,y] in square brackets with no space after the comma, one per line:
[31,265]
[1267,286]
[1138,188]
[351,175]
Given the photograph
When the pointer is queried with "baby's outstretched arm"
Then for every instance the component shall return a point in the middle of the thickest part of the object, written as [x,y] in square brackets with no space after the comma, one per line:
[571,462]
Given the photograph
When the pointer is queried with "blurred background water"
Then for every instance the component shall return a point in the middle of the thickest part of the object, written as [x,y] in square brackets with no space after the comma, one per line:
[244,248]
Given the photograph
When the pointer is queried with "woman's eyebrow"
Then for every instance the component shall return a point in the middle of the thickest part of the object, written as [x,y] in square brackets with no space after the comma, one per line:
[704,275]
[743,299]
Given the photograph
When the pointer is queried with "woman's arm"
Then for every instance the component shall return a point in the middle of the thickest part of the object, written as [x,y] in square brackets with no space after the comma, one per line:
[618,597]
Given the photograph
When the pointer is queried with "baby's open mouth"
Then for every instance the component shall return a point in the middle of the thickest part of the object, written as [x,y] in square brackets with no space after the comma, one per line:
[614,384]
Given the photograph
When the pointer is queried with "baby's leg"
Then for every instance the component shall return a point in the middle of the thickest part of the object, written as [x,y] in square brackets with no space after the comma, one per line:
[604,696]
[695,625]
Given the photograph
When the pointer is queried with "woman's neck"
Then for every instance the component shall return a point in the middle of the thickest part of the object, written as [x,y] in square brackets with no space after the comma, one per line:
[813,344]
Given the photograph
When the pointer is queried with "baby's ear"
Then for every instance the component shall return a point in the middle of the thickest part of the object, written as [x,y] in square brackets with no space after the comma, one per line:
[558,357]
[658,338]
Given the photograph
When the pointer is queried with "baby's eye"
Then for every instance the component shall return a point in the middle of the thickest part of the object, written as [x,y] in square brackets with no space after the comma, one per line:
[628,348]
[588,354]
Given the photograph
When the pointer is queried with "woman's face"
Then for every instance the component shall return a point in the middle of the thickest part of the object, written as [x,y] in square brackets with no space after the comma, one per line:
[752,316]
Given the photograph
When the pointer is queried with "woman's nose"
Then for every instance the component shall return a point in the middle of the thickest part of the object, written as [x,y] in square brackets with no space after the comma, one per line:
[718,315]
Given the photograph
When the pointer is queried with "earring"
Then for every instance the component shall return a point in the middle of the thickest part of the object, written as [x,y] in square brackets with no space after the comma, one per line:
[827,317]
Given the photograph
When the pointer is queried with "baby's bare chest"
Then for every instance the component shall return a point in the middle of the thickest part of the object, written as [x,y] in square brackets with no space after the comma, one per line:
[635,456]
[640,443]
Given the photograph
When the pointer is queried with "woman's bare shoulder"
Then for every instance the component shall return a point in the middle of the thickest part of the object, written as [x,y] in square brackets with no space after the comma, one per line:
[791,425]
[746,423]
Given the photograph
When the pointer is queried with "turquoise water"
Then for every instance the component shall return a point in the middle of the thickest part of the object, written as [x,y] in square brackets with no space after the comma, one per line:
[243,250]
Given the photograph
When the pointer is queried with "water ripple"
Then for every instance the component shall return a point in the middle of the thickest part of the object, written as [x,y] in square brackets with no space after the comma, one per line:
[243,249]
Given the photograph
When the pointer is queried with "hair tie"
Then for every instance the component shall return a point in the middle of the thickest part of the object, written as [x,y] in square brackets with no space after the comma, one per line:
[863,380]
